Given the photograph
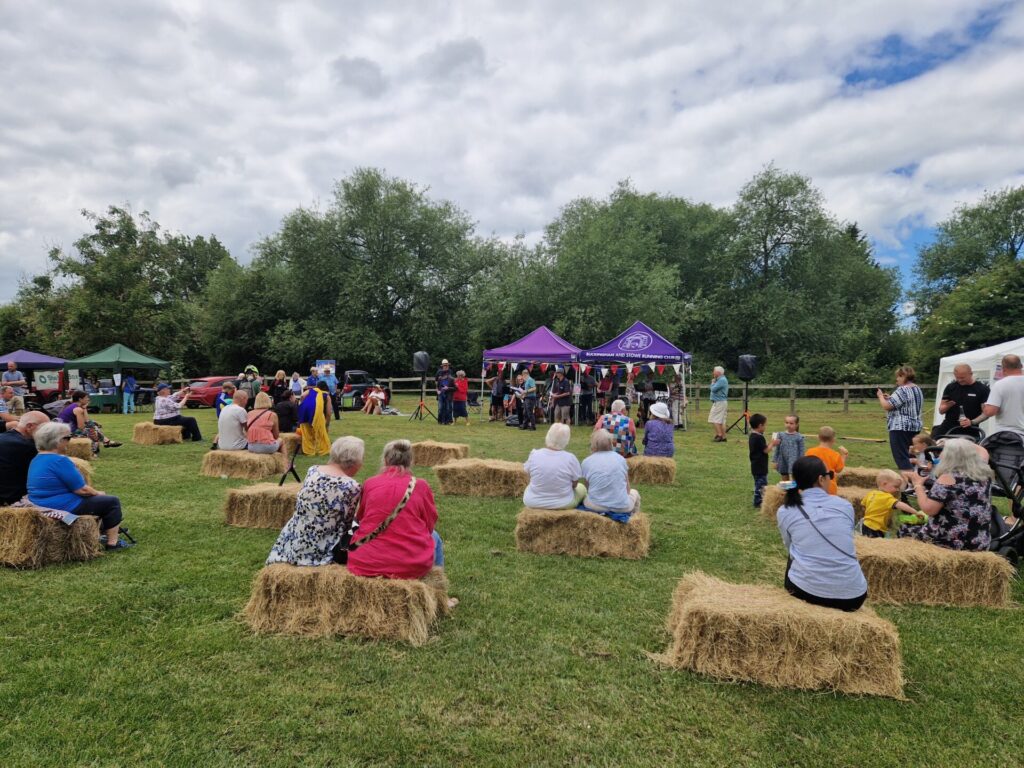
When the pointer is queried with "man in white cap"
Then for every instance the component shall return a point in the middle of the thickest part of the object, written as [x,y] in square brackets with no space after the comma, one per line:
[444,382]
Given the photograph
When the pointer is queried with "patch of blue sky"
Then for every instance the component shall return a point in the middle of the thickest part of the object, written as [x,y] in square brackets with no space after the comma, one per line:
[910,237]
[894,59]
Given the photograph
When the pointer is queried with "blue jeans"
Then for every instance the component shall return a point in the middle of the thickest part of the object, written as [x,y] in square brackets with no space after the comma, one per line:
[529,412]
[129,403]
[438,550]
[444,409]
[760,482]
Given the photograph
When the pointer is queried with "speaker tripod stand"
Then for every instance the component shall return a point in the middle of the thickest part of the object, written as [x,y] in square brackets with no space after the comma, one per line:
[422,407]
[745,416]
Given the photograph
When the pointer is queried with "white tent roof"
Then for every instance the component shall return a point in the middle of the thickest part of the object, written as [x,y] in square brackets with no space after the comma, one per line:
[984,362]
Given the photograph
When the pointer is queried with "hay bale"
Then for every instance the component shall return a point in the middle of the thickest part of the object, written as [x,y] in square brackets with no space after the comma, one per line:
[292,442]
[762,634]
[429,453]
[582,534]
[148,433]
[910,571]
[656,470]
[84,467]
[774,496]
[264,505]
[482,477]
[328,600]
[80,448]
[243,465]
[858,477]
[28,539]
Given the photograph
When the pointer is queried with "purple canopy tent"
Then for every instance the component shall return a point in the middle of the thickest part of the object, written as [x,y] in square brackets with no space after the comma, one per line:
[31,361]
[640,344]
[539,346]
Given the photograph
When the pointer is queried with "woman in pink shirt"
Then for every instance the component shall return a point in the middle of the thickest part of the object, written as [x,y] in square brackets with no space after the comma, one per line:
[409,546]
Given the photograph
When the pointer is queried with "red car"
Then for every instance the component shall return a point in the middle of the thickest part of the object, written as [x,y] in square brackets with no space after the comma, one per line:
[204,391]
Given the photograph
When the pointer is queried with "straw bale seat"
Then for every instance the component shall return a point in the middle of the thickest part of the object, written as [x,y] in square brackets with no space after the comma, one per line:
[328,600]
[762,634]
[429,453]
[656,470]
[858,477]
[80,448]
[582,534]
[774,496]
[910,571]
[482,477]
[264,505]
[84,467]
[29,539]
[148,433]
[292,442]
[243,464]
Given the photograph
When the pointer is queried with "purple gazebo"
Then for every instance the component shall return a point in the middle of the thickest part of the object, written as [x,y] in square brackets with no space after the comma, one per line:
[31,361]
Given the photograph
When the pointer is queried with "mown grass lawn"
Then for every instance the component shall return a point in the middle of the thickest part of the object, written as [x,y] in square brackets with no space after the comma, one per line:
[138,658]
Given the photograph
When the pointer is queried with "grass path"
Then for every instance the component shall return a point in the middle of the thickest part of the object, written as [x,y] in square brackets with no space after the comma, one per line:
[138,658]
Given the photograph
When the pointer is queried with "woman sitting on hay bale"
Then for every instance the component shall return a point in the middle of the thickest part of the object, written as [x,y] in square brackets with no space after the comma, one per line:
[554,473]
[396,537]
[55,483]
[621,427]
[261,427]
[817,530]
[958,503]
[167,412]
[76,416]
[287,411]
[606,475]
[659,432]
[324,510]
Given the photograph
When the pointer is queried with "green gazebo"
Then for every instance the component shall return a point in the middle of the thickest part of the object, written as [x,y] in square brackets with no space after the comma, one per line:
[115,358]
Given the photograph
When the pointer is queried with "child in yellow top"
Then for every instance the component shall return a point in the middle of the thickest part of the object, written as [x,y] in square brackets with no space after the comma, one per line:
[879,505]
[834,459]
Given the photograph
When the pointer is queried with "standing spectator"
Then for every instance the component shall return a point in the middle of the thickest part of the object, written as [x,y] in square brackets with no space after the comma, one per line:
[529,420]
[679,401]
[129,386]
[279,386]
[497,392]
[604,391]
[588,386]
[758,449]
[445,389]
[251,384]
[314,420]
[630,388]
[719,403]
[1005,401]
[561,397]
[225,397]
[287,411]
[963,398]
[460,397]
[231,425]
[328,378]
[833,458]
[15,379]
[659,434]
[17,449]
[903,408]
[790,448]
[296,384]
[313,378]
[167,412]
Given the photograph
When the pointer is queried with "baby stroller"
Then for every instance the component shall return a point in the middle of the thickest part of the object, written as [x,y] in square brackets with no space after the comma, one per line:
[1006,457]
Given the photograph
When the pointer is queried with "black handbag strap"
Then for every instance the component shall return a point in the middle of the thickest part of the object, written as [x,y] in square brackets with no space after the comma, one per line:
[387,521]
[826,538]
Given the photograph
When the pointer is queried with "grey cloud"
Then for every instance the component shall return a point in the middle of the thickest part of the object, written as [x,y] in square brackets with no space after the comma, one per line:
[176,170]
[454,60]
[360,74]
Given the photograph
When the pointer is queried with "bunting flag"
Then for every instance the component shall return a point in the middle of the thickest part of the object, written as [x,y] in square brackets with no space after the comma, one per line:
[586,369]
[576,366]
[614,369]
[543,367]
[501,366]
[676,367]
[661,369]
[629,367]
[650,367]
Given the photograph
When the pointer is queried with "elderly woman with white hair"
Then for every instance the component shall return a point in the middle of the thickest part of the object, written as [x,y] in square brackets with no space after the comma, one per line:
[606,475]
[719,413]
[659,432]
[958,502]
[54,482]
[325,508]
[621,427]
[554,473]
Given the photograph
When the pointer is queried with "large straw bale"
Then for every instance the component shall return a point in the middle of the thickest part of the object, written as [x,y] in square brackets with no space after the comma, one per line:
[859,477]
[80,448]
[774,496]
[482,477]
[429,453]
[243,464]
[582,534]
[910,571]
[292,442]
[656,470]
[84,467]
[762,634]
[328,600]
[264,505]
[29,539]
[148,433]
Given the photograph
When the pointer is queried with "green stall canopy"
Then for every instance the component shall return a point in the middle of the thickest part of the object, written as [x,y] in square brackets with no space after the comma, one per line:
[116,357]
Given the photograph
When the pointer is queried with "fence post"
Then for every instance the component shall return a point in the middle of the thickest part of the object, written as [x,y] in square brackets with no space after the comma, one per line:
[792,398]
[846,398]
[697,404]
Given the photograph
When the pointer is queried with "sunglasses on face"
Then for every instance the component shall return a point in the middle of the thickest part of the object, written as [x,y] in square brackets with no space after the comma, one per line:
[830,475]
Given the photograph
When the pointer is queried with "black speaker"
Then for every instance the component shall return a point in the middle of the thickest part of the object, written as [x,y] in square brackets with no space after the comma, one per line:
[421,362]
[747,369]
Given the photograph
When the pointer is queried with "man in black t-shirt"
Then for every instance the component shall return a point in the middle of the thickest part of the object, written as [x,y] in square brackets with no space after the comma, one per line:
[963,394]
[561,397]
[17,449]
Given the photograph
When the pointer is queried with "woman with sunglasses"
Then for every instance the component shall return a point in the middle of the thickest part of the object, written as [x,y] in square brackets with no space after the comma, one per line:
[817,530]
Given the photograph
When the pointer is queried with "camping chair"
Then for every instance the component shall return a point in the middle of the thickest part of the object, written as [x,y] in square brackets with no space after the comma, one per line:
[473,403]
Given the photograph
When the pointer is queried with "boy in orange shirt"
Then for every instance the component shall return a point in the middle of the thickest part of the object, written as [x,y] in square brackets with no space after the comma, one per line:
[833,459]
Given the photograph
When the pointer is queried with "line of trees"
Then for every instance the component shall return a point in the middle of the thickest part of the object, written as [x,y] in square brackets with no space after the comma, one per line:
[384,270]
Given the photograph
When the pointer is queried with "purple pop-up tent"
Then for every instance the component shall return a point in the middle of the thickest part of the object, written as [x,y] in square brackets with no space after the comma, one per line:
[540,346]
[32,361]
[638,343]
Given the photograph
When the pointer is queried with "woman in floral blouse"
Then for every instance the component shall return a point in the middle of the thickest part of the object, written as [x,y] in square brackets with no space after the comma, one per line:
[325,508]
[958,503]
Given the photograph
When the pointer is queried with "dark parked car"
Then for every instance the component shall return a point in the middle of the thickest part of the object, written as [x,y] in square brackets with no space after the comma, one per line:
[354,386]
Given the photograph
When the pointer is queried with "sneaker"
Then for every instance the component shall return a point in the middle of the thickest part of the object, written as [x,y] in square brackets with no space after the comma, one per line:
[121,544]
[112,444]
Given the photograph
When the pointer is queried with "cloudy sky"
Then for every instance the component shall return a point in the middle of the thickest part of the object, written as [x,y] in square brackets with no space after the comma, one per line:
[222,117]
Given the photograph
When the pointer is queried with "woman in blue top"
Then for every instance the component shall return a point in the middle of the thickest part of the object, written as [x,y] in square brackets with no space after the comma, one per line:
[817,529]
[659,434]
[54,482]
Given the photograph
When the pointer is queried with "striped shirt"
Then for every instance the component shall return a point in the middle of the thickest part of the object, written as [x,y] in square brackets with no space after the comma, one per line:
[166,408]
[907,402]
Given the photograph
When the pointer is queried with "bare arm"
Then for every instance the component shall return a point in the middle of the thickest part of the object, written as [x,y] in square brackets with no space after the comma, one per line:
[88,490]
[929,506]
[946,405]
[883,400]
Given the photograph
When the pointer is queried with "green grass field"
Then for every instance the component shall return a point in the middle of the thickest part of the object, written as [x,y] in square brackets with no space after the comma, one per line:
[138,658]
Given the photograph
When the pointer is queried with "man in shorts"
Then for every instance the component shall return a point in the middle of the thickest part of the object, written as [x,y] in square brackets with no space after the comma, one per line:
[719,403]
